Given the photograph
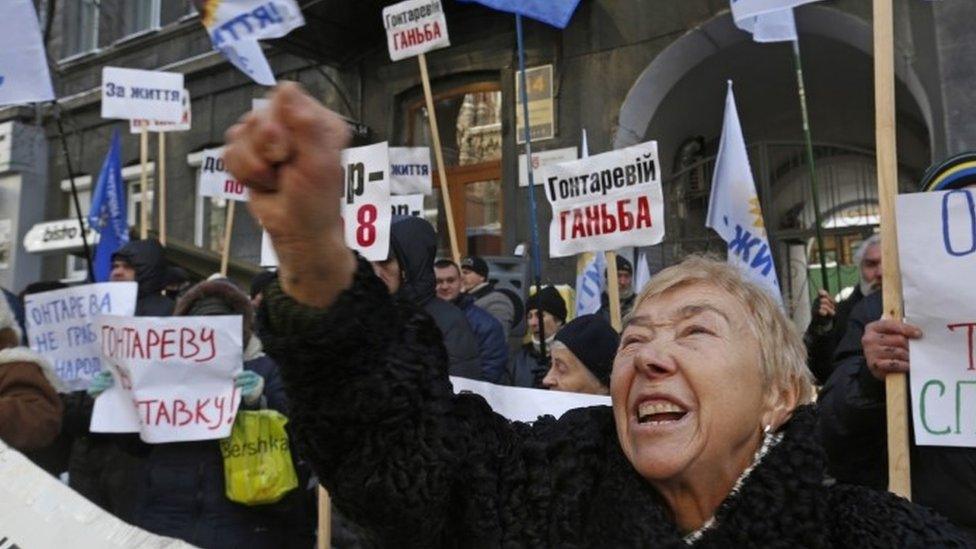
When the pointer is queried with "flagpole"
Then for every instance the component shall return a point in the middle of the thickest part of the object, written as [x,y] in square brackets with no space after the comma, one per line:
[162,187]
[813,172]
[536,264]
[144,183]
[74,193]
[228,232]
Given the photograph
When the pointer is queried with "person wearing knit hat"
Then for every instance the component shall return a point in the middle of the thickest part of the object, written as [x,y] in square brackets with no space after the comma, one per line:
[582,356]
[528,365]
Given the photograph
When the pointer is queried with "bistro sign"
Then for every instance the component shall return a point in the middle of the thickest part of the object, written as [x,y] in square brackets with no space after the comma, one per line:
[57,236]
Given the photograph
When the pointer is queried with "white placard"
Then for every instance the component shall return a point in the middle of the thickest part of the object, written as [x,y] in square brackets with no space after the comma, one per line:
[524,404]
[136,124]
[366,200]
[937,252]
[216,181]
[134,93]
[414,27]
[604,202]
[60,326]
[410,204]
[174,377]
[544,158]
[269,258]
[410,170]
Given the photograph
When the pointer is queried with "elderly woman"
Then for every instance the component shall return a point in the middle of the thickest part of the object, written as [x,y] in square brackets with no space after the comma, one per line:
[707,442]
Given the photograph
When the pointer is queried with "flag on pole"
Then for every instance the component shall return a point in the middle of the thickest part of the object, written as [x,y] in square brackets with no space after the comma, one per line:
[733,206]
[742,9]
[777,26]
[590,285]
[108,211]
[24,76]
[643,273]
[552,12]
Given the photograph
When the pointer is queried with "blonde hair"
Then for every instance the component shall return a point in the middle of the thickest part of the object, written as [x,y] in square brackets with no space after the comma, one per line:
[782,352]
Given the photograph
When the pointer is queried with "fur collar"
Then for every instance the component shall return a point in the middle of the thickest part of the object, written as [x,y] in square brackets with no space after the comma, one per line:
[23,354]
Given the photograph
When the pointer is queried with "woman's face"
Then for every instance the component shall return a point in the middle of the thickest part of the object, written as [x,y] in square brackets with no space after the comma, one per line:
[687,385]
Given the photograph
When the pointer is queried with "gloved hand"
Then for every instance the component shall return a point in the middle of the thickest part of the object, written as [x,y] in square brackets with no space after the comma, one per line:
[251,385]
[101,382]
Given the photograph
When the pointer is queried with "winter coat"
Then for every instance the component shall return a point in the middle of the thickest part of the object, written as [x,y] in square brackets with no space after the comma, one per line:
[414,243]
[498,305]
[492,343]
[419,466]
[148,259]
[626,306]
[852,424]
[526,367]
[822,338]
[30,410]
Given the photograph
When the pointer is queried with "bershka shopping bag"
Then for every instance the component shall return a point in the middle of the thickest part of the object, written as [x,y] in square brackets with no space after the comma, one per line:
[257,461]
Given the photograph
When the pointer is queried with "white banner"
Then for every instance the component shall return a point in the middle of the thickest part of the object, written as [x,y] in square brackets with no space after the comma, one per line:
[524,404]
[366,210]
[937,252]
[136,124]
[414,27]
[24,76]
[174,377]
[134,93]
[410,170]
[60,326]
[605,202]
[742,9]
[237,21]
[544,158]
[410,204]
[215,180]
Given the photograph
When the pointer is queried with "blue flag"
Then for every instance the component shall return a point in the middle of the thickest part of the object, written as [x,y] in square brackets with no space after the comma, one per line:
[590,285]
[553,12]
[108,211]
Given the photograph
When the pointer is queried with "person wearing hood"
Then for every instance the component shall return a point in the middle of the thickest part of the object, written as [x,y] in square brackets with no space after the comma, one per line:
[528,365]
[625,284]
[582,356]
[409,275]
[143,261]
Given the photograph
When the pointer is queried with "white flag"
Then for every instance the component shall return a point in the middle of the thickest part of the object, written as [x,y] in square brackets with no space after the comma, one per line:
[733,206]
[249,58]
[743,9]
[590,285]
[24,77]
[777,26]
[643,273]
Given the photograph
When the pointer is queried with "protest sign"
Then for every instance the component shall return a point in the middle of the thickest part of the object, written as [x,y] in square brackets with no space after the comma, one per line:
[134,93]
[937,250]
[174,377]
[415,27]
[366,200]
[60,326]
[410,170]
[411,204]
[524,404]
[544,158]
[216,181]
[137,124]
[606,201]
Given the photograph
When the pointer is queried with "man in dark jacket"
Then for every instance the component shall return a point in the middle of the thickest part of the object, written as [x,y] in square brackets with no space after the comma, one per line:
[829,319]
[143,261]
[409,274]
[492,344]
[501,304]
[528,365]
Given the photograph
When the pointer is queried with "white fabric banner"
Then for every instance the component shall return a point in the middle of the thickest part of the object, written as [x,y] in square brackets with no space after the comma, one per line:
[24,76]
[414,27]
[937,252]
[604,202]
[742,9]
[733,206]
[136,124]
[174,377]
[237,21]
[410,204]
[524,404]
[60,326]
[248,57]
[216,181]
[135,93]
[410,170]
[366,209]
[590,285]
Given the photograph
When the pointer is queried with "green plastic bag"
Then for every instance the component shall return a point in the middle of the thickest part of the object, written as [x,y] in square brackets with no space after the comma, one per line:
[257,461]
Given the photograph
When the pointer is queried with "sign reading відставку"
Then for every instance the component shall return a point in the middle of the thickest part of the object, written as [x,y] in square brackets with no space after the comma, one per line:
[60,326]
[216,181]
[936,238]
[605,202]
[415,27]
[174,377]
[134,93]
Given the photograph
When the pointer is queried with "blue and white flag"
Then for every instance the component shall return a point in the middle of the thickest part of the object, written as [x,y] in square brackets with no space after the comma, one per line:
[24,76]
[552,12]
[733,206]
[591,282]
[108,211]
[741,9]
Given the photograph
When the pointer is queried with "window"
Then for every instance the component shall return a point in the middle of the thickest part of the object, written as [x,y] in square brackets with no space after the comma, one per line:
[210,215]
[80,27]
[140,16]
[132,176]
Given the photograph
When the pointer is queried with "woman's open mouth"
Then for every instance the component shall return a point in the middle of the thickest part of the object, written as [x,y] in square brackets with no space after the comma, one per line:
[659,412]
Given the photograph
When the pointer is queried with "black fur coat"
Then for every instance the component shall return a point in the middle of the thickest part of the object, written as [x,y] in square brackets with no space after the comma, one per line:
[374,412]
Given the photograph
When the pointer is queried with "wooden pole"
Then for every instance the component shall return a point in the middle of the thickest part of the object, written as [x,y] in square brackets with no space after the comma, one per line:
[228,232]
[613,291]
[325,519]
[144,183]
[899,467]
[162,187]
[435,135]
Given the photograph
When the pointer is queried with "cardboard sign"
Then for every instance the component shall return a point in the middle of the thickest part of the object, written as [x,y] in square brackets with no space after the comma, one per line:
[937,252]
[174,377]
[410,170]
[366,209]
[136,125]
[604,202]
[216,181]
[524,404]
[542,111]
[134,93]
[544,158]
[60,326]
[415,27]
[411,204]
